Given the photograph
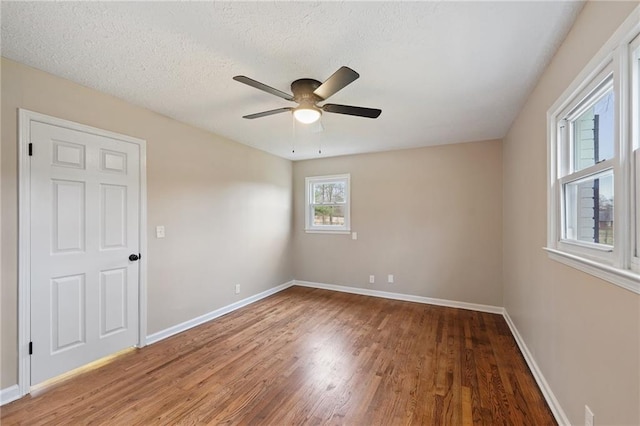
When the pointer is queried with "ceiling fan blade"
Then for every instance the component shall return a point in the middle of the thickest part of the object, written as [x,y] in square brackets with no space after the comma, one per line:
[352,110]
[338,81]
[266,113]
[251,82]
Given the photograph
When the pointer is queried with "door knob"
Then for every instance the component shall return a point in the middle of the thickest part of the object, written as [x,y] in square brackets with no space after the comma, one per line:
[134,257]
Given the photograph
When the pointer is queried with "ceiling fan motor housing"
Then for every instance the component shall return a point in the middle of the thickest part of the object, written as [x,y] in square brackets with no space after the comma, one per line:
[303,91]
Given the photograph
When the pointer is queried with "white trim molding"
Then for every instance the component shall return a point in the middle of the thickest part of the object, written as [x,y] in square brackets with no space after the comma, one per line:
[404,297]
[10,394]
[551,399]
[25,117]
[179,328]
[144,259]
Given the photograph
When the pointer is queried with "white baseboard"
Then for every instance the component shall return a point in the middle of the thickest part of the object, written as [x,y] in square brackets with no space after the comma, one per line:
[179,328]
[9,394]
[405,297]
[156,337]
[556,409]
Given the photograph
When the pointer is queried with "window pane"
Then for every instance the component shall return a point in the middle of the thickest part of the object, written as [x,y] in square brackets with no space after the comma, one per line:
[329,193]
[589,209]
[328,215]
[593,133]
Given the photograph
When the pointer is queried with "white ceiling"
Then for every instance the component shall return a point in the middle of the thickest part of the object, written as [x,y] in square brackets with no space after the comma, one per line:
[442,72]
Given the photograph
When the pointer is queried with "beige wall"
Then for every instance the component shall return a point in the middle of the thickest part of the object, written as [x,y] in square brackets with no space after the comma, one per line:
[430,216]
[226,207]
[583,332]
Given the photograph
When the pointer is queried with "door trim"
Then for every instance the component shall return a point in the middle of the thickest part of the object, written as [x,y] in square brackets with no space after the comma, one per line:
[25,117]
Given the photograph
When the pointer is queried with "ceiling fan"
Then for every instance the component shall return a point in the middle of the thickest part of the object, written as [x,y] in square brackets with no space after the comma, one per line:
[307,93]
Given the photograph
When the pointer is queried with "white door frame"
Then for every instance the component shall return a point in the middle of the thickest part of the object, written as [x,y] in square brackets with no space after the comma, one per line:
[24,237]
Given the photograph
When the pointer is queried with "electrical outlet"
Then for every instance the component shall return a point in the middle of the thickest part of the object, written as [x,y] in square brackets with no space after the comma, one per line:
[354,235]
[390,279]
[588,416]
[237,288]
[372,279]
[160,231]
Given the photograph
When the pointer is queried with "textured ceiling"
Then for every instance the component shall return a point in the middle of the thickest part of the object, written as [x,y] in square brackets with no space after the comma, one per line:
[442,72]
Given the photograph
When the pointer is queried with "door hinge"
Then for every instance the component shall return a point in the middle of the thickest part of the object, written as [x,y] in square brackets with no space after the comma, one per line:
[30,348]
[30,149]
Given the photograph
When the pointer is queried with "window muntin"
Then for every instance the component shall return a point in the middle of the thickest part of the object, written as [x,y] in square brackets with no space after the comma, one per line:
[327,206]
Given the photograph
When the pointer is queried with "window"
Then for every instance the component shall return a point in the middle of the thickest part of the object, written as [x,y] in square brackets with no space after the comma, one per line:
[594,165]
[586,135]
[327,207]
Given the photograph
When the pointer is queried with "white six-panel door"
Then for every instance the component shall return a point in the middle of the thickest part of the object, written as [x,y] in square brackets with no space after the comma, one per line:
[84,225]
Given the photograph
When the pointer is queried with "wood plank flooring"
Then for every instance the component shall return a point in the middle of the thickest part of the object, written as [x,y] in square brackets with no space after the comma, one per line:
[309,356]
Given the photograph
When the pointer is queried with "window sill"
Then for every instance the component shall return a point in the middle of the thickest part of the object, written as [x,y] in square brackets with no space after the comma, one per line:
[626,279]
[328,231]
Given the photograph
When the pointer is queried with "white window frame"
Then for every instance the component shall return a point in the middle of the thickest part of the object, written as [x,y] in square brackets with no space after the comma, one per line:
[634,67]
[327,229]
[598,86]
[635,259]
[618,264]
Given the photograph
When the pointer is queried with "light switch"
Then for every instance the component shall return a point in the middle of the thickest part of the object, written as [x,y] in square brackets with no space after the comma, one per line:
[160,231]
[354,235]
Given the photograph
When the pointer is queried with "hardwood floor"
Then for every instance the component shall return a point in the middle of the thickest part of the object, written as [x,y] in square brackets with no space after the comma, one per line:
[309,356]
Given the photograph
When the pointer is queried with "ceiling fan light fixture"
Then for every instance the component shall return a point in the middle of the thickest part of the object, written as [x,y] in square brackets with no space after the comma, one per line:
[306,115]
